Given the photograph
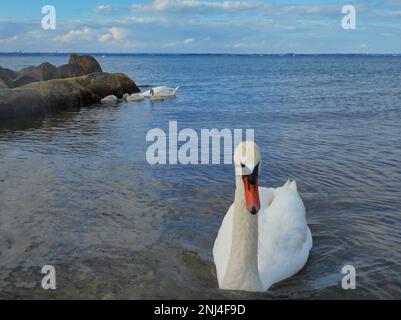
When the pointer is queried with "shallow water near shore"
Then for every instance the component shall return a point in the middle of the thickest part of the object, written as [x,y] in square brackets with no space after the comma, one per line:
[76,190]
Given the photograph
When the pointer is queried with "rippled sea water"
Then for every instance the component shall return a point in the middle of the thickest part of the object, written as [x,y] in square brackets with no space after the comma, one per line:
[76,190]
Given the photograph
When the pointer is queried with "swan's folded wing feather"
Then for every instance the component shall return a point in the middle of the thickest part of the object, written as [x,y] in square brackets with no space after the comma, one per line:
[266,196]
[284,238]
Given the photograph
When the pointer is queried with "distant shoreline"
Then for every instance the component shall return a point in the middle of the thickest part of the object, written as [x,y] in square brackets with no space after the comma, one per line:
[61,54]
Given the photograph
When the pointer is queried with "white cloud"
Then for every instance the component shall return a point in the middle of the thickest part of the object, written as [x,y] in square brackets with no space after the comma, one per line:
[113,34]
[145,20]
[105,38]
[209,26]
[387,14]
[118,33]
[74,35]
[179,43]
[188,41]
[11,39]
[104,8]
[194,5]
[170,44]
[236,45]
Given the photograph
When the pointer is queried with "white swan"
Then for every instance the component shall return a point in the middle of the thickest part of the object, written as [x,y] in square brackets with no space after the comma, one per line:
[264,237]
[165,92]
[157,98]
[135,97]
[109,99]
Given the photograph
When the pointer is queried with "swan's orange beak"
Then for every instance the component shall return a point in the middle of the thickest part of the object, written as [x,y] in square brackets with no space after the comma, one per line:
[251,186]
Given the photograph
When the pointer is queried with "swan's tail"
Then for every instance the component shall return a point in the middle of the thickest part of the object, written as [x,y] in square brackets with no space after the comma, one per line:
[291,184]
[176,89]
[294,186]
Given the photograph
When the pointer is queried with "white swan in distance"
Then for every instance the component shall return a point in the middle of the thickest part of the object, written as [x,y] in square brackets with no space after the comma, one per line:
[109,99]
[264,237]
[165,92]
[157,98]
[135,97]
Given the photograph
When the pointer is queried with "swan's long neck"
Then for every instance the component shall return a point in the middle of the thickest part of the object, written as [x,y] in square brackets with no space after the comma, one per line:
[242,269]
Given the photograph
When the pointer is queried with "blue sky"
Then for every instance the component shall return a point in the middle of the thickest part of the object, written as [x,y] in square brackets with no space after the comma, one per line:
[201,26]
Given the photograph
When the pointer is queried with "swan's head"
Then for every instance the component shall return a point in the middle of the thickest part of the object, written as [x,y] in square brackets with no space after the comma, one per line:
[247,166]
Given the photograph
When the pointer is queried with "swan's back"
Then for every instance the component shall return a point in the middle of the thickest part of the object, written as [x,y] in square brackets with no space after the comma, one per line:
[284,237]
[161,91]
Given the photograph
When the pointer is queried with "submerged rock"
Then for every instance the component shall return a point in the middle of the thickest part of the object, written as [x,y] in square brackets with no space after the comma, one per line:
[42,97]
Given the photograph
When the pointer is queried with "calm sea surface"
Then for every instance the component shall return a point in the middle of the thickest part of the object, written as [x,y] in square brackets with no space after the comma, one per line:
[76,190]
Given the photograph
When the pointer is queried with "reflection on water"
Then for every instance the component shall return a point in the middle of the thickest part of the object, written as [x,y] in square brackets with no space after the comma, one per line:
[76,191]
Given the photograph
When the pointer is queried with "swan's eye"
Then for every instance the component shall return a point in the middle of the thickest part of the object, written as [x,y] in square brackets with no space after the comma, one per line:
[242,165]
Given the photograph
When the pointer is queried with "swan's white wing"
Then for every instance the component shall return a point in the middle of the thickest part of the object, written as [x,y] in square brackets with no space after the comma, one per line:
[156,90]
[146,94]
[222,245]
[165,92]
[284,237]
[266,197]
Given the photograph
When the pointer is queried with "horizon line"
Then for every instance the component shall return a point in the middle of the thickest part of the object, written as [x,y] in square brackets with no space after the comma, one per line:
[187,53]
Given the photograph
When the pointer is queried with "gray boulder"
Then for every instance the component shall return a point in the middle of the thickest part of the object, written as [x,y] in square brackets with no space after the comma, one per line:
[7,76]
[3,85]
[48,71]
[70,70]
[59,94]
[26,76]
[77,66]
[43,72]
[88,63]
[43,97]
[104,84]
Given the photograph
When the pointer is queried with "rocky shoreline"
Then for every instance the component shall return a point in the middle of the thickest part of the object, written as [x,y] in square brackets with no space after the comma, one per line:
[42,89]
